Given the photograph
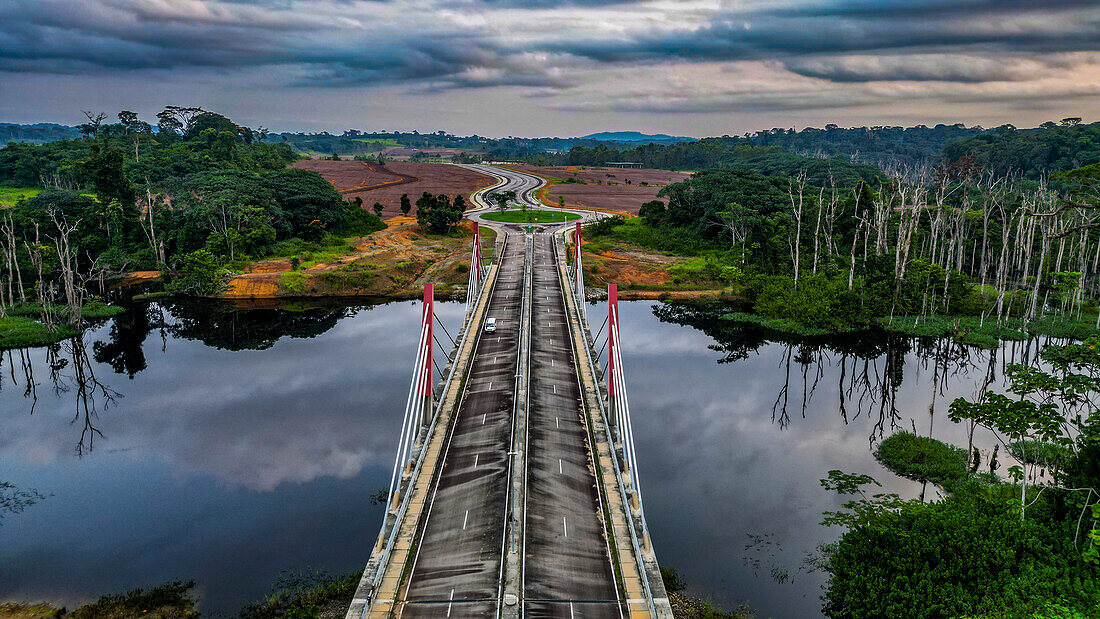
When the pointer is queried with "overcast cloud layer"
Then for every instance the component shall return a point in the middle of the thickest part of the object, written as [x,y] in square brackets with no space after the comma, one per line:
[539,67]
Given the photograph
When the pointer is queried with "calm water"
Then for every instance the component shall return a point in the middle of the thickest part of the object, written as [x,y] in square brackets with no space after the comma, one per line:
[193,441]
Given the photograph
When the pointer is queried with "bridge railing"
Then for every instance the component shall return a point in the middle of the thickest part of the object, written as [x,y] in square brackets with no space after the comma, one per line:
[622,443]
[421,407]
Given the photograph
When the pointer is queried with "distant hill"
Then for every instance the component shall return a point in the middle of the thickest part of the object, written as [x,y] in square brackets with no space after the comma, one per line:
[38,133]
[636,137]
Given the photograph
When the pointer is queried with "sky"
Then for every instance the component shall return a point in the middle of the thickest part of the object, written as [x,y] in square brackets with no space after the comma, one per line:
[555,67]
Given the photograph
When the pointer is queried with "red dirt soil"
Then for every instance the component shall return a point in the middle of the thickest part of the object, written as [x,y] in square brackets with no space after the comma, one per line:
[385,184]
[613,194]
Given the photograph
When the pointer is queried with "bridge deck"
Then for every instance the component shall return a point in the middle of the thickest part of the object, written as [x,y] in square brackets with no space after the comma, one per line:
[567,567]
[503,511]
[456,571]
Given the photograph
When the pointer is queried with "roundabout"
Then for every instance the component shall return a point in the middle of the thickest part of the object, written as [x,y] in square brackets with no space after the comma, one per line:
[517,216]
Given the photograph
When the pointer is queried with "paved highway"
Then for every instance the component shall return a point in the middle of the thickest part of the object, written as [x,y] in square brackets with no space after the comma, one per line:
[525,185]
[511,522]
[567,563]
[566,568]
[456,572]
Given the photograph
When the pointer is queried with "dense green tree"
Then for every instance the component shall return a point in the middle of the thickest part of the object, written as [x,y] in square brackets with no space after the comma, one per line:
[436,213]
[1031,152]
[199,272]
[306,201]
[104,167]
[966,556]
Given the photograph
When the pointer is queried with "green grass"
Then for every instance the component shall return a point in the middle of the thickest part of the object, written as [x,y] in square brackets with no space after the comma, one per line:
[96,310]
[382,141]
[969,329]
[293,281]
[530,217]
[168,601]
[20,328]
[312,253]
[92,310]
[19,332]
[922,459]
[305,595]
[779,325]
[10,195]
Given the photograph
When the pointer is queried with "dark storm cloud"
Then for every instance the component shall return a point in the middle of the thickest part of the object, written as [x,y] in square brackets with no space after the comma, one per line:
[47,38]
[965,69]
[542,4]
[1068,26]
[460,44]
[896,9]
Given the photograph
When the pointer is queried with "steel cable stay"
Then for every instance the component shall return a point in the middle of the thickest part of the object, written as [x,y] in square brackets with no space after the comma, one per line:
[600,331]
[578,272]
[617,392]
[442,326]
[627,437]
[408,421]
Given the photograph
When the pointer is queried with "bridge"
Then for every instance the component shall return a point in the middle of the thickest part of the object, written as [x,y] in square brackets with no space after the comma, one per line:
[515,488]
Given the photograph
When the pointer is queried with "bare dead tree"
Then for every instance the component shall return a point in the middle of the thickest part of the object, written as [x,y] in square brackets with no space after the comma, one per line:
[91,128]
[797,193]
[67,259]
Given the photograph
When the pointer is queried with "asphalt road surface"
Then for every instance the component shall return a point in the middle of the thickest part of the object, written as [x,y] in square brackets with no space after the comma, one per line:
[523,184]
[456,572]
[567,564]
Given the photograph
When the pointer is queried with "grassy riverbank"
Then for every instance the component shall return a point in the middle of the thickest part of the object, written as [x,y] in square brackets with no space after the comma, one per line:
[22,326]
[394,262]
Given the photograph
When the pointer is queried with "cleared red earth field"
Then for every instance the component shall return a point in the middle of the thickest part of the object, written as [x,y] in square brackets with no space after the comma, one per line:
[385,184]
[604,188]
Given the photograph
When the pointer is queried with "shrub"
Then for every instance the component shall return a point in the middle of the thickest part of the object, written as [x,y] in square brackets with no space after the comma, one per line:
[293,281]
[604,227]
[965,556]
[200,272]
[819,302]
[360,222]
[303,595]
[922,459]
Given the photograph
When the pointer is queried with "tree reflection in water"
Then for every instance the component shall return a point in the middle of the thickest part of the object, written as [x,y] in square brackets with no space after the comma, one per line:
[871,365]
[72,370]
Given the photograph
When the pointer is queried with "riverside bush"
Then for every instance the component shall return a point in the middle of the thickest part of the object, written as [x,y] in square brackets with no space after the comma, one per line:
[922,458]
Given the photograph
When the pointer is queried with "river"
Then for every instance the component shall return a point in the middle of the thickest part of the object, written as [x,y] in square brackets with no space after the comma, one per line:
[194,441]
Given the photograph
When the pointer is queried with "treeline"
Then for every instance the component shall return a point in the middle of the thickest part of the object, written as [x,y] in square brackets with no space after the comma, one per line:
[191,198]
[1033,153]
[38,133]
[951,240]
[876,146]
[353,142]
[725,155]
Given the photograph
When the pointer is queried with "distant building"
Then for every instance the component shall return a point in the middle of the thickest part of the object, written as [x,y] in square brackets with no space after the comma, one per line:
[622,164]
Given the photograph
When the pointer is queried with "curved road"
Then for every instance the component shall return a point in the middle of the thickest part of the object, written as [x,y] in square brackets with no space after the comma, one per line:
[526,187]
